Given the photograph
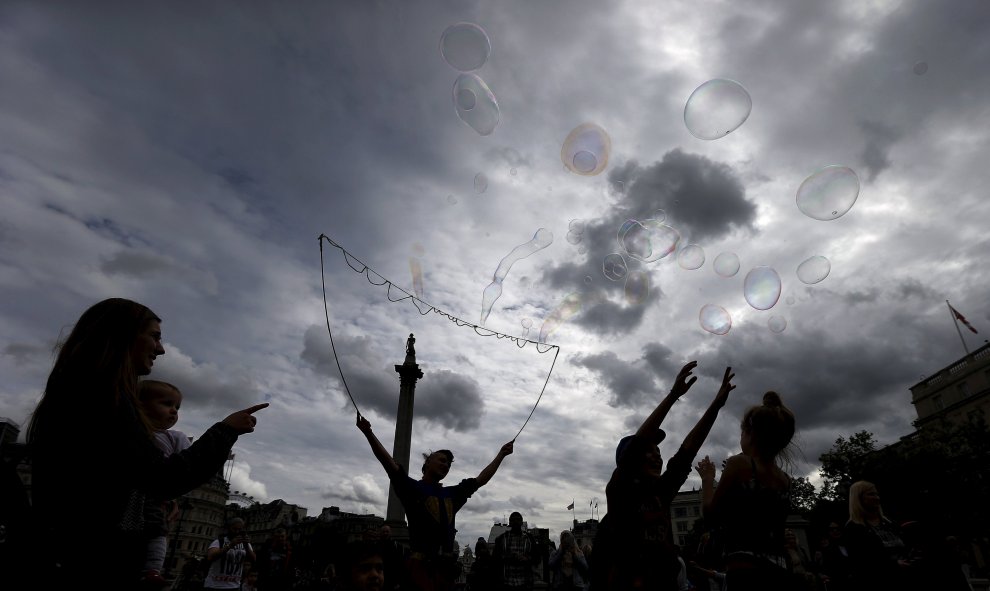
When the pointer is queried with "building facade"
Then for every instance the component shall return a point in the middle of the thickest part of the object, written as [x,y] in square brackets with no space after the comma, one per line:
[954,392]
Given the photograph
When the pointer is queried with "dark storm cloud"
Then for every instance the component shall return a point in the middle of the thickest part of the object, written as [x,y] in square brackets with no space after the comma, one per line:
[444,398]
[880,139]
[629,384]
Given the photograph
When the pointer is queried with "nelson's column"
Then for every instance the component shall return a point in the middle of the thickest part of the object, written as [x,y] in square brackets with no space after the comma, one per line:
[409,373]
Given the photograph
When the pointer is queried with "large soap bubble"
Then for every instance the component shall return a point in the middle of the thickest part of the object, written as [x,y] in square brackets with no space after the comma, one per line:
[716,108]
[829,193]
[813,270]
[475,103]
[761,288]
[465,46]
[586,150]
[647,241]
[726,264]
[715,319]
[614,266]
[691,257]
[637,287]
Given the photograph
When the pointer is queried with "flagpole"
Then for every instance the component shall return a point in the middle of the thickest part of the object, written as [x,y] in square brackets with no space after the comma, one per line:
[956,322]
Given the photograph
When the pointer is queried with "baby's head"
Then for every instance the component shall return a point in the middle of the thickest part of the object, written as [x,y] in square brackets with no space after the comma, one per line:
[160,402]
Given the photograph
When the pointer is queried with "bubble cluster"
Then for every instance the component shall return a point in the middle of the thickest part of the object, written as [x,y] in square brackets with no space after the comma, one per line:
[691,257]
[614,266]
[761,288]
[715,319]
[813,270]
[575,232]
[475,103]
[542,239]
[647,241]
[717,108]
[829,193]
[586,150]
[777,323]
[726,264]
[480,183]
[465,46]
[637,287]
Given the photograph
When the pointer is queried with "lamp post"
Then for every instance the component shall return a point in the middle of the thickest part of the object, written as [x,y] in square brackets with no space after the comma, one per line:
[184,505]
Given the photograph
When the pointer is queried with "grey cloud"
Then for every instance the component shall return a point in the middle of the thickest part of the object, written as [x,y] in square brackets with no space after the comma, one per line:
[141,265]
[528,506]
[629,385]
[880,139]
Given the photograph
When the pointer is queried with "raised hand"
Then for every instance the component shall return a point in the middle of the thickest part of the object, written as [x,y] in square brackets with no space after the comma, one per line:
[723,392]
[506,449]
[244,421]
[682,384]
[706,469]
[363,425]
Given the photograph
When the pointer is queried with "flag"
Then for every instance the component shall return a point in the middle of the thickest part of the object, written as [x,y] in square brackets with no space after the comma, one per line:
[962,319]
[571,506]
[596,505]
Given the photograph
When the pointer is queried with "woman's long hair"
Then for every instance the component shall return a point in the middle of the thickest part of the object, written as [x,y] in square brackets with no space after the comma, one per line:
[93,370]
[857,514]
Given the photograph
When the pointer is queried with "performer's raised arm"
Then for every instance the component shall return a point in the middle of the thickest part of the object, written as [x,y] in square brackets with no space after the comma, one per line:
[491,468]
[388,462]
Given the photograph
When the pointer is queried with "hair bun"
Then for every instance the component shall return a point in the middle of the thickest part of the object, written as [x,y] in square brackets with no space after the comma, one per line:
[771,398]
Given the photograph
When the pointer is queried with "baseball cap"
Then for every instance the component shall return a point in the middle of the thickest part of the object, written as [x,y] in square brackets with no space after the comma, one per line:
[656,438]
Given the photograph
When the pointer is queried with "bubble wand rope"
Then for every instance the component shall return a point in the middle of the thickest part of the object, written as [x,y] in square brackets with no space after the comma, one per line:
[479,330]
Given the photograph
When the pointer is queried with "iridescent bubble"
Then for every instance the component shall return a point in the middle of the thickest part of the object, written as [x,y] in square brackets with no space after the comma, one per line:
[761,288]
[813,270]
[568,307]
[416,270]
[920,68]
[637,287]
[527,322]
[726,264]
[829,193]
[465,46]
[542,239]
[573,237]
[716,108]
[480,183]
[451,199]
[475,103]
[715,319]
[634,240]
[418,249]
[691,257]
[586,150]
[777,323]
[614,266]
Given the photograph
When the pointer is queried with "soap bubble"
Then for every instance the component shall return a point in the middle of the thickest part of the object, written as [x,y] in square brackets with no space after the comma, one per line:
[789,300]
[527,322]
[637,287]
[571,305]
[587,279]
[777,323]
[480,183]
[582,248]
[829,193]
[715,319]
[660,215]
[813,270]
[647,241]
[761,288]
[542,239]
[465,46]
[576,226]
[920,68]
[716,108]
[726,264]
[614,266]
[691,257]
[586,150]
[451,199]
[475,103]
[572,237]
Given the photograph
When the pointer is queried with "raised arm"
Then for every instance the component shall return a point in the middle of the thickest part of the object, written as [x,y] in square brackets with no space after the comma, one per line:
[389,463]
[692,443]
[491,468]
[681,385]
[735,471]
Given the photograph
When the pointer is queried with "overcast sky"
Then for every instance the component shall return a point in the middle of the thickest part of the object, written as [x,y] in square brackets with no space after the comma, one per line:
[188,156]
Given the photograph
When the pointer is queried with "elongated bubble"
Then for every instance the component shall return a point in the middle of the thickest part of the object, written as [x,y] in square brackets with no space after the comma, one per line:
[586,150]
[761,288]
[813,270]
[542,239]
[829,193]
[568,307]
[726,264]
[717,108]
[475,103]
[465,46]
[417,276]
[714,319]
[614,266]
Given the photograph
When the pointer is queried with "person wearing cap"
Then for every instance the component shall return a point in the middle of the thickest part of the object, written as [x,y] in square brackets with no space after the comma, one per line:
[634,548]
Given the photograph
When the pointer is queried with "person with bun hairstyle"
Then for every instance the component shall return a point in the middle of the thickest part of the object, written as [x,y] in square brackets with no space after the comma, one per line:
[752,499]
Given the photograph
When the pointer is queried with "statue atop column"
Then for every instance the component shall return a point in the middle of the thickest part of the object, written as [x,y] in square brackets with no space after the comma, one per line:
[411,345]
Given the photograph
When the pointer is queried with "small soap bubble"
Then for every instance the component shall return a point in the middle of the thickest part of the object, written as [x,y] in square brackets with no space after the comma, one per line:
[480,183]
[573,237]
[614,266]
[761,288]
[726,264]
[465,46]
[660,215]
[691,257]
[920,68]
[789,300]
[513,171]
[813,270]
[582,248]
[829,193]
[777,323]
[717,108]
[637,287]
[715,319]
[527,322]
[586,150]
[451,199]
[576,226]
[587,280]
[475,103]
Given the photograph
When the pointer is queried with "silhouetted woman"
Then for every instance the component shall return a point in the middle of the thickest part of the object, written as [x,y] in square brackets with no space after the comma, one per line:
[877,552]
